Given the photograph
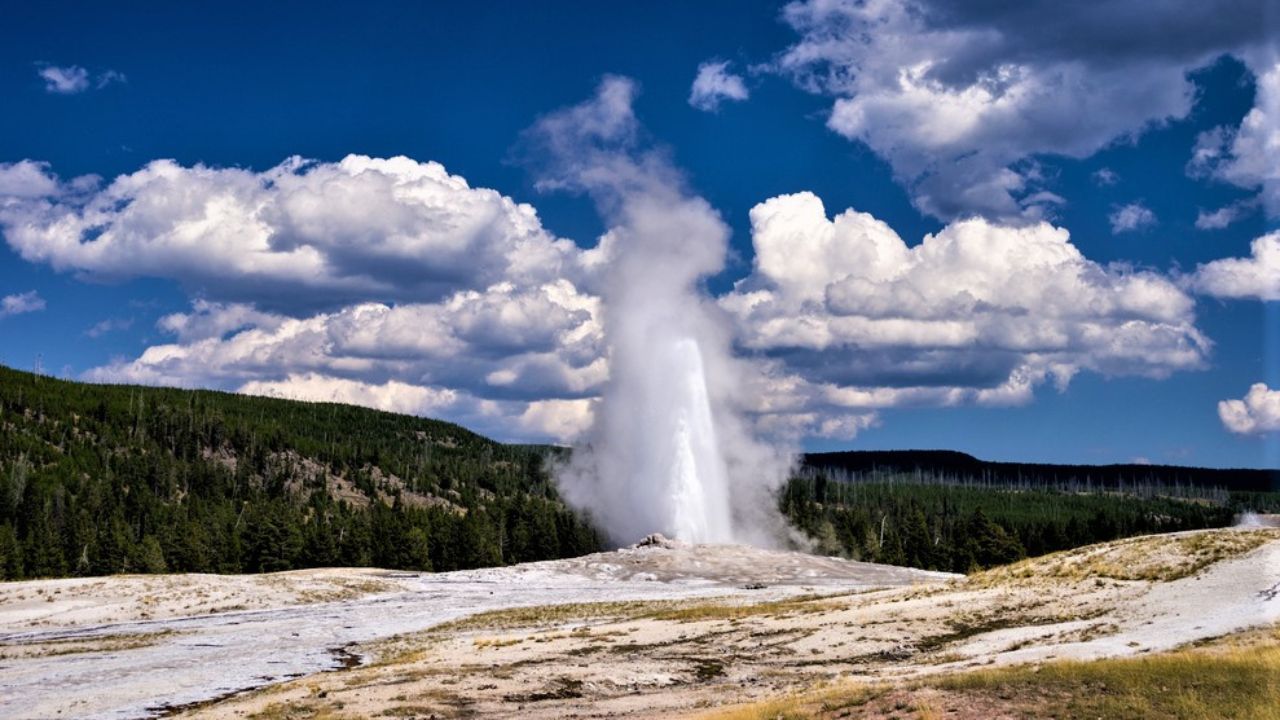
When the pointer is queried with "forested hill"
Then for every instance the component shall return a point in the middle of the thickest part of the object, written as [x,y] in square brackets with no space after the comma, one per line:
[101,479]
[961,467]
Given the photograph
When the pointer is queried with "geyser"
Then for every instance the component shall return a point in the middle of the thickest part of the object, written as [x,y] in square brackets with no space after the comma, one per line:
[670,449]
[656,449]
[699,495]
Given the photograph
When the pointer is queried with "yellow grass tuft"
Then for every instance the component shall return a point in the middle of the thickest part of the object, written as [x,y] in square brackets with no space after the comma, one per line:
[1149,558]
[1234,679]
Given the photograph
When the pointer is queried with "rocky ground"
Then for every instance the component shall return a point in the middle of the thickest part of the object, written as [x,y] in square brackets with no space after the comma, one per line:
[664,630]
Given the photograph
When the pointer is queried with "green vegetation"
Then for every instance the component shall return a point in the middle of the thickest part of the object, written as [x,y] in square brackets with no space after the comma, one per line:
[1260,502]
[99,479]
[108,479]
[959,468]
[936,524]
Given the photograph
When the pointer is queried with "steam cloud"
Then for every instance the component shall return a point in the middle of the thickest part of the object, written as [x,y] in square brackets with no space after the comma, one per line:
[670,449]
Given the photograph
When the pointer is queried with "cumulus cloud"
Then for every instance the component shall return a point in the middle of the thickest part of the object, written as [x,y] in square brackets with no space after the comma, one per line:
[1258,412]
[515,361]
[1248,156]
[393,283]
[20,303]
[958,97]
[829,423]
[25,181]
[715,84]
[299,235]
[500,343]
[216,320]
[1131,217]
[979,312]
[335,280]
[561,419]
[841,316]
[1254,277]
[392,395]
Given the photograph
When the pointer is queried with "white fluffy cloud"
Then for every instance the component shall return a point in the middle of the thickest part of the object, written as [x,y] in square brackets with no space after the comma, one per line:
[500,342]
[391,283]
[1258,412]
[25,181]
[20,303]
[715,84]
[64,80]
[392,395]
[976,313]
[486,357]
[216,320]
[561,419]
[1254,277]
[1248,156]
[842,316]
[300,234]
[1131,217]
[386,282]
[960,97]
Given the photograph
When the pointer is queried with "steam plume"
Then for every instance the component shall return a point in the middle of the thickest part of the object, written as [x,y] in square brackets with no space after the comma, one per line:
[670,449]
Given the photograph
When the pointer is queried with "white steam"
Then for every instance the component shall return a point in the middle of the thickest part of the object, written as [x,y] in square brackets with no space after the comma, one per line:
[670,449]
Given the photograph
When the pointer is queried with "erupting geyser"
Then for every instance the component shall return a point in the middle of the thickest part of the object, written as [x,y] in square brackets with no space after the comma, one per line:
[670,473]
[670,449]
[698,493]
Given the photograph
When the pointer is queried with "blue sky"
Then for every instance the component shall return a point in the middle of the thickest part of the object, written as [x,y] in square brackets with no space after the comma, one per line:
[1104,148]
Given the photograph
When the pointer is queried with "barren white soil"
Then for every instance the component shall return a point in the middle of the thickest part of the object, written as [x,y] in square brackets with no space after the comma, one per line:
[659,631]
[138,646]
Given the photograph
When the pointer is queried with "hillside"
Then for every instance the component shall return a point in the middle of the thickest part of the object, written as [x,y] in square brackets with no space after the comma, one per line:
[964,467]
[99,479]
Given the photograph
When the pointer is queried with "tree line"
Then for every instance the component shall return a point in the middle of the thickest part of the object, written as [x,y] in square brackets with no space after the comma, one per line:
[115,479]
[939,525]
[101,479]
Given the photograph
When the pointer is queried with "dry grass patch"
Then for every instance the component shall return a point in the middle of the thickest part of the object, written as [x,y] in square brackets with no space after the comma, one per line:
[802,605]
[1233,679]
[81,645]
[344,589]
[1231,682]
[1150,558]
[547,615]
[302,711]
